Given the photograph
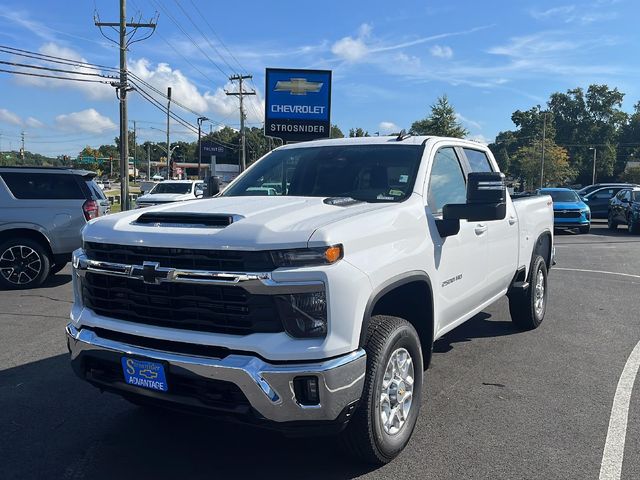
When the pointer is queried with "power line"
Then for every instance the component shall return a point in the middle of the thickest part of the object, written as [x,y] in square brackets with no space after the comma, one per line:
[50,69]
[57,78]
[186,34]
[53,58]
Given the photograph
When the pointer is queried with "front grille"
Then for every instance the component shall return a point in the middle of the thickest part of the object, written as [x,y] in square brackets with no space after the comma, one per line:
[206,308]
[567,213]
[213,393]
[219,260]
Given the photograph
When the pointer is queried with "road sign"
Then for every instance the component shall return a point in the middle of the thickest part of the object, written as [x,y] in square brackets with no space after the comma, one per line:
[212,148]
[298,104]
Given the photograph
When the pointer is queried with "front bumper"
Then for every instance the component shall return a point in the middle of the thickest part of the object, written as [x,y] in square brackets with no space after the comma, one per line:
[268,388]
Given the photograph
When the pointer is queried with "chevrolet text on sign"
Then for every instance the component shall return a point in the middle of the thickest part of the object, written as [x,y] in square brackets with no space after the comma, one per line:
[298,104]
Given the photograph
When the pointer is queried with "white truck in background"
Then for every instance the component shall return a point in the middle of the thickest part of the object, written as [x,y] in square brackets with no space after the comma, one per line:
[315,309]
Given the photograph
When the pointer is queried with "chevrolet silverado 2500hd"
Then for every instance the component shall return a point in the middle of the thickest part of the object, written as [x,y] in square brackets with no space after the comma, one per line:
[316,308]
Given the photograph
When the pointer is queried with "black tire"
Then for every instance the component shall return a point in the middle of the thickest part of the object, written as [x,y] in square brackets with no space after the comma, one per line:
[585,229]
[366,436]
[56,267]
[611,223]
[634,227]
[24,263]
[522,305]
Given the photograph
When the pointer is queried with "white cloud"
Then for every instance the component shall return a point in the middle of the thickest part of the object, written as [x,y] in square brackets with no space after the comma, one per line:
[94,91]
[33,123]
[350,49]
[9,117]
[85,121]
[388,127]
[441,51]
[185,92]
[552,12]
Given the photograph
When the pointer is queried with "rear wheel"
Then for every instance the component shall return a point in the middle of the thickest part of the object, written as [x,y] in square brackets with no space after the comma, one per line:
[611,223]
[527,308]
[24,263]
[390,403]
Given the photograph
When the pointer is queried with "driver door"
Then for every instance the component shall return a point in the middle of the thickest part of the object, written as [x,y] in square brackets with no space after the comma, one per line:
[460,260]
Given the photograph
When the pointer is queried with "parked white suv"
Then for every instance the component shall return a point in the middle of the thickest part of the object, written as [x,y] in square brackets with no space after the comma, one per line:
[171,191]
[316,308]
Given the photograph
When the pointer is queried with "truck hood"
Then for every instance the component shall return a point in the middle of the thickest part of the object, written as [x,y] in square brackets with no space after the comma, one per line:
[165,197]
[258,223]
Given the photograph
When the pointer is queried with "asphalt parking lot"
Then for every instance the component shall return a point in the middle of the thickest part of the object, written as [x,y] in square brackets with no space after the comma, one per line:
[498,403]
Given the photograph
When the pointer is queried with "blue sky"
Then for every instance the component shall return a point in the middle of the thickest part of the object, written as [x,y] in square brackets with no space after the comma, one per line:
[390,61]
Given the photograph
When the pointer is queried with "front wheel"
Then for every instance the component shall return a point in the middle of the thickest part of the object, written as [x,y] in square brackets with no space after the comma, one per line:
[527,308]
[24,263]
[390,403]
[611,223]
[634,227]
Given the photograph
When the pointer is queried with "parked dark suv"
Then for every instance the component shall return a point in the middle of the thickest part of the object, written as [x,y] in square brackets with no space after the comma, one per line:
[42,211]
[625,208]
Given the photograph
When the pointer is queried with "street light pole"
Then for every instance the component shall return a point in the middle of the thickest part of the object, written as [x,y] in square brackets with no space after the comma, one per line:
[200,120]
[593,181]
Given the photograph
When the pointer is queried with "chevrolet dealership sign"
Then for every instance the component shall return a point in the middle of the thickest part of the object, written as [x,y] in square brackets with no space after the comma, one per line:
[298,104]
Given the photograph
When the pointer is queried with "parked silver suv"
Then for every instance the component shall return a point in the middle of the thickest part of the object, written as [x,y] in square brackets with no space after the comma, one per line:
[42,211]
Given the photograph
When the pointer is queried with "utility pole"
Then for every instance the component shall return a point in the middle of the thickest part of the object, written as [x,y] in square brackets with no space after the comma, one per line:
[544,138]
[125,39]
[593,181]
[148,162]
[135,148]
[240,94]
[22,148]
[169,169]
[200,120]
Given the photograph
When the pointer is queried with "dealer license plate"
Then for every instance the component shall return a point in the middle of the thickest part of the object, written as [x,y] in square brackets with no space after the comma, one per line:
[145,374]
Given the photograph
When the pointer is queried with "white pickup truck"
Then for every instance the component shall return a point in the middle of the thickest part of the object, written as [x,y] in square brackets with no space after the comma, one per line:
[315,309]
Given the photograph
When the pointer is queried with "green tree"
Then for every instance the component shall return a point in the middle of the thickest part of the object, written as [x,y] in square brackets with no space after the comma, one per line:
[557,170]
[358,132]
[442,121]
[336,132]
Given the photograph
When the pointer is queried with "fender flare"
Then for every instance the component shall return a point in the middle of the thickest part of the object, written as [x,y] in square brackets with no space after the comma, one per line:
[389,285]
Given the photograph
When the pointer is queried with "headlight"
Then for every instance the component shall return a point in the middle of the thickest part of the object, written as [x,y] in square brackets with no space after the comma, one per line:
[306,257]
[304,315]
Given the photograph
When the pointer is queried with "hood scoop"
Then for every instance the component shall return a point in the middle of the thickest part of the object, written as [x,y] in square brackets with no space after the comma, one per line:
[341,201]
[184,220]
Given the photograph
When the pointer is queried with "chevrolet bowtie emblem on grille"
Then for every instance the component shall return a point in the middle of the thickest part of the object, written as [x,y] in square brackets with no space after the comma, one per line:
[150,273]
[298,86]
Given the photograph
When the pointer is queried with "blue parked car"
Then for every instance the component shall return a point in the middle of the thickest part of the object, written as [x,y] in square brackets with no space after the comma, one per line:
[569,211]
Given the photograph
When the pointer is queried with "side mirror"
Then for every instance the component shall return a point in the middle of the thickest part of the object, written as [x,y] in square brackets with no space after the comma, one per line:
[212,187]
[486,199]
[199,193]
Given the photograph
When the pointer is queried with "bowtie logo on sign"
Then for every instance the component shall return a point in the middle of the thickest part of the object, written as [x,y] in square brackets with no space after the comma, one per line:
[298,104]
[298,86]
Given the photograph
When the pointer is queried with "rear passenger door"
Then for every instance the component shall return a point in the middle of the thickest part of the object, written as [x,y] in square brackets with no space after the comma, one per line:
[460,260]
[502,235]
[52,200]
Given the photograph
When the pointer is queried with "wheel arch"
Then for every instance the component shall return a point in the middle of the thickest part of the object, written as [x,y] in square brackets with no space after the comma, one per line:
[30,233]
[543,247]
[409,296]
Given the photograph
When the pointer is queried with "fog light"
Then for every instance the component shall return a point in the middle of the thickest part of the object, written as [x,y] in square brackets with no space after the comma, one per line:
[306,390]
[304,315]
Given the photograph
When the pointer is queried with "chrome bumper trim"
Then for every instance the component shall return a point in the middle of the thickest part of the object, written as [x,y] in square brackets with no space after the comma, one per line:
[268,387]
[153,273]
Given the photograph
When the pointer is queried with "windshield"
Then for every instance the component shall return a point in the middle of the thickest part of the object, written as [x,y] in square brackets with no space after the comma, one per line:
[562,195]
[635,196]
[167,187]
[371,173]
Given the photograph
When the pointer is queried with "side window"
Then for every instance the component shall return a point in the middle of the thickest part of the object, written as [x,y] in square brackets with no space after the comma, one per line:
[604,194]
[478,161]
[43,186]
[627,195]
[446,183]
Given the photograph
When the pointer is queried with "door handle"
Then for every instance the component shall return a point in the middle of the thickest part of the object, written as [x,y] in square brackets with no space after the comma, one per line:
[480,229]
[513,220]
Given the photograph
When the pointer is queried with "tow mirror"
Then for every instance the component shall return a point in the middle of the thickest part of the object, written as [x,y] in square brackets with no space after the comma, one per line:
[212,187]
[486,199]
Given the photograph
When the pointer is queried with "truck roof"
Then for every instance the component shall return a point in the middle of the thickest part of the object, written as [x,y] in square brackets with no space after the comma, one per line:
[381,140]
